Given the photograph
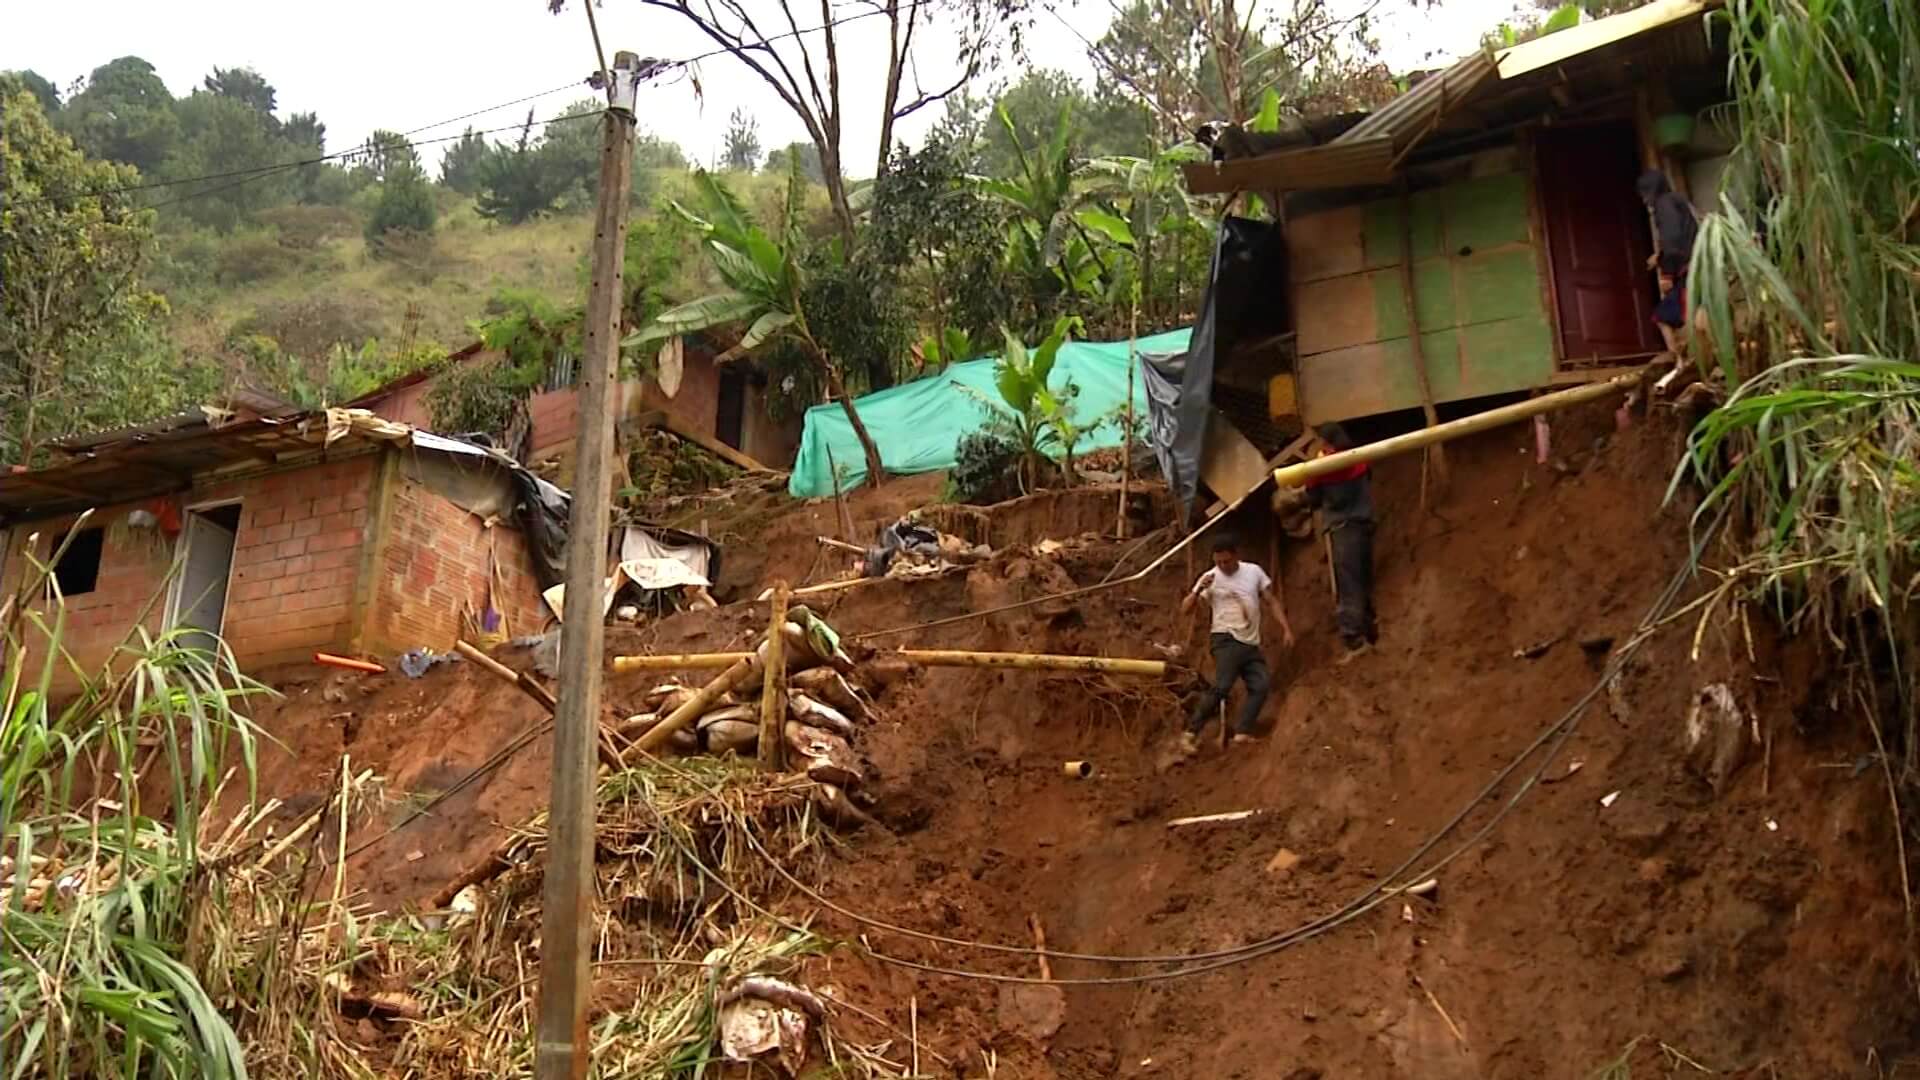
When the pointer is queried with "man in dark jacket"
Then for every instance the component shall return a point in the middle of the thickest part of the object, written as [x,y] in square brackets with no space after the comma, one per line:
[1674,228]
[1345,502]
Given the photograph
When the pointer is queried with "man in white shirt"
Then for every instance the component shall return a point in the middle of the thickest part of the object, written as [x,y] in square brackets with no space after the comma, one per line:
[1238,593]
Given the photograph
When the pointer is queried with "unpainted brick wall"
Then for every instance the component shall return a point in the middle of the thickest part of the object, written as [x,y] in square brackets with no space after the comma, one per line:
[133,566]
[296,559]
[296,555]
[435,563]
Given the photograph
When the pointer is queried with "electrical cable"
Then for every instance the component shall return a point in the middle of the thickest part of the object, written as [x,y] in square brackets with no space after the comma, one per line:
[1553,737]
[361,149]
[358,149]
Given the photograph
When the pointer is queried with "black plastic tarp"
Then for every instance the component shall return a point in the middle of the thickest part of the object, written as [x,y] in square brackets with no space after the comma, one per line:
[541,511]
[1179,389]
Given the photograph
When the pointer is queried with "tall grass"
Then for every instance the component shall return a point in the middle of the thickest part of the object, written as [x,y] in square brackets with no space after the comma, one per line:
[104,791]
[1810,277]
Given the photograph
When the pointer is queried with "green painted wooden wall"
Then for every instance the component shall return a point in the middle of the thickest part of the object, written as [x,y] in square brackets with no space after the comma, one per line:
[1483,324]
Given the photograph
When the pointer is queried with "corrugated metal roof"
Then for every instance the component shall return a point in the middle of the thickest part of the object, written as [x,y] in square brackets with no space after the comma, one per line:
[1575,41]
[1337,164]
[161,463]
[1367,152]
[1407,117]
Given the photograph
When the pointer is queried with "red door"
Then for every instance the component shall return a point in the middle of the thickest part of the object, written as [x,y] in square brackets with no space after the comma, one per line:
[1598,239]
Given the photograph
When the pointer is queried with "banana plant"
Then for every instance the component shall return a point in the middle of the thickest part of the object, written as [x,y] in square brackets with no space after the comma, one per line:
[1140,202]
[764,283]
[1029,414]
[1046,233]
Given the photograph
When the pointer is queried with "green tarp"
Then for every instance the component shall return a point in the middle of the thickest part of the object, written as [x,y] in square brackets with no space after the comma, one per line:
[916,425]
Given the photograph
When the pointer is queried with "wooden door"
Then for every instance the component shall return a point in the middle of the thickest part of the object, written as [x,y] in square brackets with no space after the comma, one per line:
[1598,240]
[200,600]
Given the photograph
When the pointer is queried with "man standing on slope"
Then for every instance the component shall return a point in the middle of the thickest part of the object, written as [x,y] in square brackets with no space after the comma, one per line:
[1345,502]
[1238,592]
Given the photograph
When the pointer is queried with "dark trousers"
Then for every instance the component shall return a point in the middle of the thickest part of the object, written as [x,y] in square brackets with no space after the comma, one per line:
[1353,581]
[1234,659]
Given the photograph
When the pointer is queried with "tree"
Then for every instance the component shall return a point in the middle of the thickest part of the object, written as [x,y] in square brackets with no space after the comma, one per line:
[930,224]
[519,184]
[654,152]
[741,151]
[383,153]
[1190,61]
[124,114]
[460,168]
[803,68]
[808,156]
[245,86]
[71,263]
[405,206]
[765,292]
[37,85]
[220,134]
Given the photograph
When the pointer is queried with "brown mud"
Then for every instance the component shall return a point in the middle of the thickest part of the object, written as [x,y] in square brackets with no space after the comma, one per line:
[1760,928]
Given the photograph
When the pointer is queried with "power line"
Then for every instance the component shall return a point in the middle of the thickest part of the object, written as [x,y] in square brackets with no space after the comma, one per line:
[358,149]
[245,176]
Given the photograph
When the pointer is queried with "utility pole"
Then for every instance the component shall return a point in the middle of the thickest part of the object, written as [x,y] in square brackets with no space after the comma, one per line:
[566,910]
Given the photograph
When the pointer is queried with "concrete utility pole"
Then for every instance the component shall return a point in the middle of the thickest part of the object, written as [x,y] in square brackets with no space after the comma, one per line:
[566,912]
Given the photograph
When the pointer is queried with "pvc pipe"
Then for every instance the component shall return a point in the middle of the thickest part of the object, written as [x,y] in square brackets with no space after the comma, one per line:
[1297,475]
[1077,770]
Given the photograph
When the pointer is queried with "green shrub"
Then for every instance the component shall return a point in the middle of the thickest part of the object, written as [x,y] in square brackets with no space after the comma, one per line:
[984,468]
[256,255]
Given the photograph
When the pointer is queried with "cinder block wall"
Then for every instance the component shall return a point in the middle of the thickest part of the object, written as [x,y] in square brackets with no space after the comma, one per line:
[133,566]
[434,559]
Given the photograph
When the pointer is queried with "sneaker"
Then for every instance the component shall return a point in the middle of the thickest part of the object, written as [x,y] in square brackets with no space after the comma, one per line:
[1243,738]
[1354,651]
[1188,746]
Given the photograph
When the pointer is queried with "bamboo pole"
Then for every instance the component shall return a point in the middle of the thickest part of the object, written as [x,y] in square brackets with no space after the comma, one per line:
[494,667]
[1295,475]
[738,672]
[603,747]
[773,693]
[623,665]
[829,541]
[1110,665]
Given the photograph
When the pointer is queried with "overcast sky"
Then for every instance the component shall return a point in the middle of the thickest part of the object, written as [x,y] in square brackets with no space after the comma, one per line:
[406,64]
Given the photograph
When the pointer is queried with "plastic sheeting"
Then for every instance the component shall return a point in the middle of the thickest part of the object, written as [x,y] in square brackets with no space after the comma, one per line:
[917,424]
[1180,384]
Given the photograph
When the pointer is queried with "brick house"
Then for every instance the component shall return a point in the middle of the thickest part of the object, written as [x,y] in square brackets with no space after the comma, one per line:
[286,534]
[723,404]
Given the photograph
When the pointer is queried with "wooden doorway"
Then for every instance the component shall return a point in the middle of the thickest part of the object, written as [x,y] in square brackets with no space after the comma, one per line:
[1598,241]
[730,414]
[199,596]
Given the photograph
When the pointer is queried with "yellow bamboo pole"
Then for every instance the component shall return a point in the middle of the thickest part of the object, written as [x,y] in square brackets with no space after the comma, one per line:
[694,707]
[1296,475]
[1109,665]
[623,665]
[773,694]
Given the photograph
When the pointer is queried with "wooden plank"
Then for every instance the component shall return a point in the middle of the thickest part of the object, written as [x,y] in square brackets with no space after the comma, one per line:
[773,694]
[711,445]
[1230,464]
[1435,455]
[1293,451]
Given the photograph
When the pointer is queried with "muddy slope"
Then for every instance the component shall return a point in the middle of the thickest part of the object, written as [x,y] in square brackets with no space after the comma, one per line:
[1759,925]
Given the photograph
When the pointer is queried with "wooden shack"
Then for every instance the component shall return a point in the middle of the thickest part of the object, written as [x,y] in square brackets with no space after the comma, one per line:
[1480,234]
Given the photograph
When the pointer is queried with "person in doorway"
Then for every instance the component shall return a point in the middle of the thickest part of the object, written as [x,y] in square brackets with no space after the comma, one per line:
[1675,225]
[1345,502]
[1238,592]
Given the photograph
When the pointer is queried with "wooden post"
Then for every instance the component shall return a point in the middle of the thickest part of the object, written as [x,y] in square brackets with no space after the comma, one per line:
[1126,433]
[1437,455]
[566,912]
[773,691]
